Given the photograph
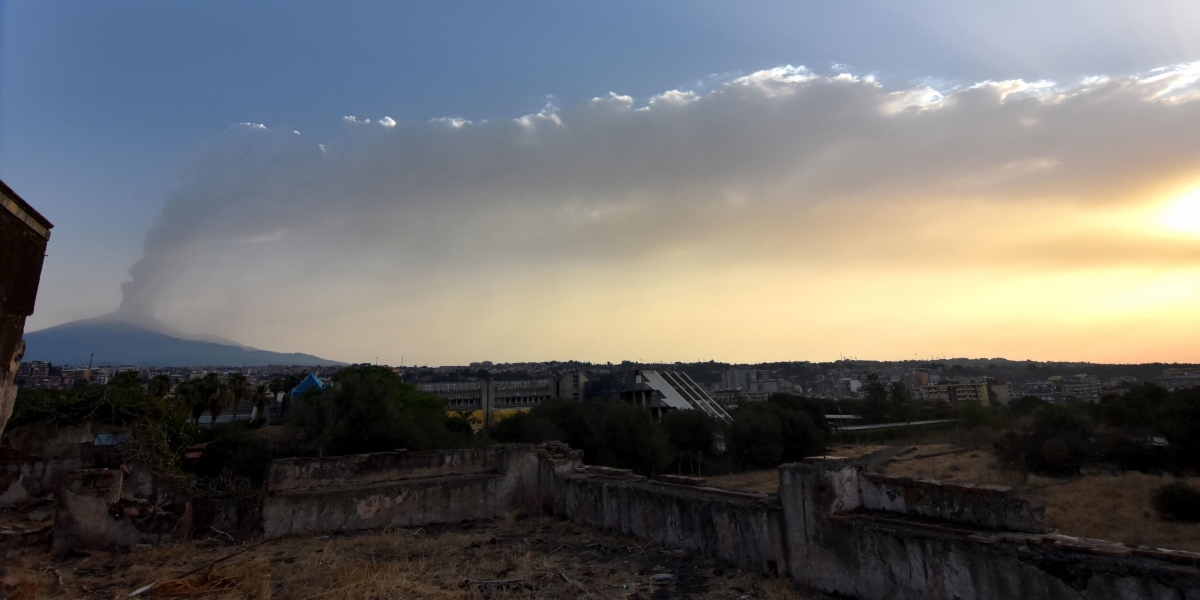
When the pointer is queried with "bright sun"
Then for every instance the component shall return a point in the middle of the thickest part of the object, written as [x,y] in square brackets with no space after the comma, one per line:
[1184,213]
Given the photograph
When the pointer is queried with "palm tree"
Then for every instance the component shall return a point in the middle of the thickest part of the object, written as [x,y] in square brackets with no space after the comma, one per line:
[192,396]
[159,386]
[238,389]
[259,395]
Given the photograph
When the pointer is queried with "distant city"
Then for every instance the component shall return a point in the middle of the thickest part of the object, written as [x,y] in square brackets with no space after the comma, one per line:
[487,392]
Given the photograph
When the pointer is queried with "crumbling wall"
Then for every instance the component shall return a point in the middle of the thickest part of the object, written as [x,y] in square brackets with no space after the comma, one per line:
[23,237]
[839,543]
[399,488]
[35,458]
[992,506]
[832,527]
[743,529]
[91,513]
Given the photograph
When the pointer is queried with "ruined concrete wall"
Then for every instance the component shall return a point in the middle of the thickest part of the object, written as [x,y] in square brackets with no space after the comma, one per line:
[35,458]
[991,506]
[837,544]
[23,237]
[91,513]
[830,528]
[399,488]
[743,529]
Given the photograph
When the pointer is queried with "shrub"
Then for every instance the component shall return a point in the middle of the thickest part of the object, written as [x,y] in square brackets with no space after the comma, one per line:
[527,428]
[692,433]
[237,448]
[1177,501]
[1056,419]
[1025,405]
[1056,451]
[756,435]
[369,409]
[631,439]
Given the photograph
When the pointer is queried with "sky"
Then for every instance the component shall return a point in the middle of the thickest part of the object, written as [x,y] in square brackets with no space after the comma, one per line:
[441,183]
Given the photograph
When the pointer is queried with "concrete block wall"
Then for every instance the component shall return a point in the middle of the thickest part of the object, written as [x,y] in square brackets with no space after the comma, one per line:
[831,527]
[399,488]
[991,506]
[837,543]
[91,513]
[743,529]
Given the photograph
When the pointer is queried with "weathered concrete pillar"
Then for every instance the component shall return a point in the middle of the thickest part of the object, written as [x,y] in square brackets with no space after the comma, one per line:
[23,237]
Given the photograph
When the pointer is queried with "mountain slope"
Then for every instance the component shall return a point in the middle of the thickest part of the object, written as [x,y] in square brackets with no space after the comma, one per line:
[119,343]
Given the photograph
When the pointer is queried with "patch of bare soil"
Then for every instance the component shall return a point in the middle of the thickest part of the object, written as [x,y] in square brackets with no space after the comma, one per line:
[531,558]
[765,481]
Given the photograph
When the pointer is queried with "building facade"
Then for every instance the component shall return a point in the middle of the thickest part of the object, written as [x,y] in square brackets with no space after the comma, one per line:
[974,392]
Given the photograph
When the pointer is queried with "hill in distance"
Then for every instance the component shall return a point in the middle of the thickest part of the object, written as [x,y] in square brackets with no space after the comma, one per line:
[116,342]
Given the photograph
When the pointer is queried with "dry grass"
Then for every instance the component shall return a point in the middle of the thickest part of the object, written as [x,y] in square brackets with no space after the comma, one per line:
[1109,507]
[1112,507]
[514,559]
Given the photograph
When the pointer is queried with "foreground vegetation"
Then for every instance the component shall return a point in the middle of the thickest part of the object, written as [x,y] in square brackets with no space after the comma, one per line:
[369,409]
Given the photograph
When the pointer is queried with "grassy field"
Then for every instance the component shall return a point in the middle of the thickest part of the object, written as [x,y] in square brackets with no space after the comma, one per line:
[532,558]
[1104,506]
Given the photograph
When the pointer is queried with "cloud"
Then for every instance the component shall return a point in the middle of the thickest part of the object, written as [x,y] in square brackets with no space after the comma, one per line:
[809,175]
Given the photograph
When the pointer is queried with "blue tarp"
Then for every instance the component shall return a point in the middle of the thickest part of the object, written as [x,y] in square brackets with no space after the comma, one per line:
[309,383]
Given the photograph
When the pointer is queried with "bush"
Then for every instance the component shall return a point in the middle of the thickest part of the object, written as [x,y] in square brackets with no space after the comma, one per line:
[1025,405]
[1055,419]
[369,409]
[237,448]
[764,434]
[1056,451]
[158,428]
[610,433]
[693,434]
[631,439]
[1177,501]
[527,428]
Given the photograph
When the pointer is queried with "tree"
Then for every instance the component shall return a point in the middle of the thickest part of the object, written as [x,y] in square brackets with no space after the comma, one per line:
[691,432]
[370,409]
[875,399]
[191,396]
[237,390]
[259,397]
[159,385]
[902,402]
[631,439]
[756,435]
[125,379]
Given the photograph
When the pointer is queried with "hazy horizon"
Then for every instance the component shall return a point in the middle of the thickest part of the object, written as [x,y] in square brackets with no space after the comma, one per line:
[1032,194]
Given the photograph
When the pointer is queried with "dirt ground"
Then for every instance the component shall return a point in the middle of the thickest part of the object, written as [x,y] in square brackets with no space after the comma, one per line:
[531,558]
[1103,506]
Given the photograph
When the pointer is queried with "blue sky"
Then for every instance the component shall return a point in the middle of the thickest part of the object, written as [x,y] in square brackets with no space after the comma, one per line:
[102,104]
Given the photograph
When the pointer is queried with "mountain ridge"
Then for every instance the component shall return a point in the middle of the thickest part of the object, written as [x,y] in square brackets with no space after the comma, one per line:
[116,342]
